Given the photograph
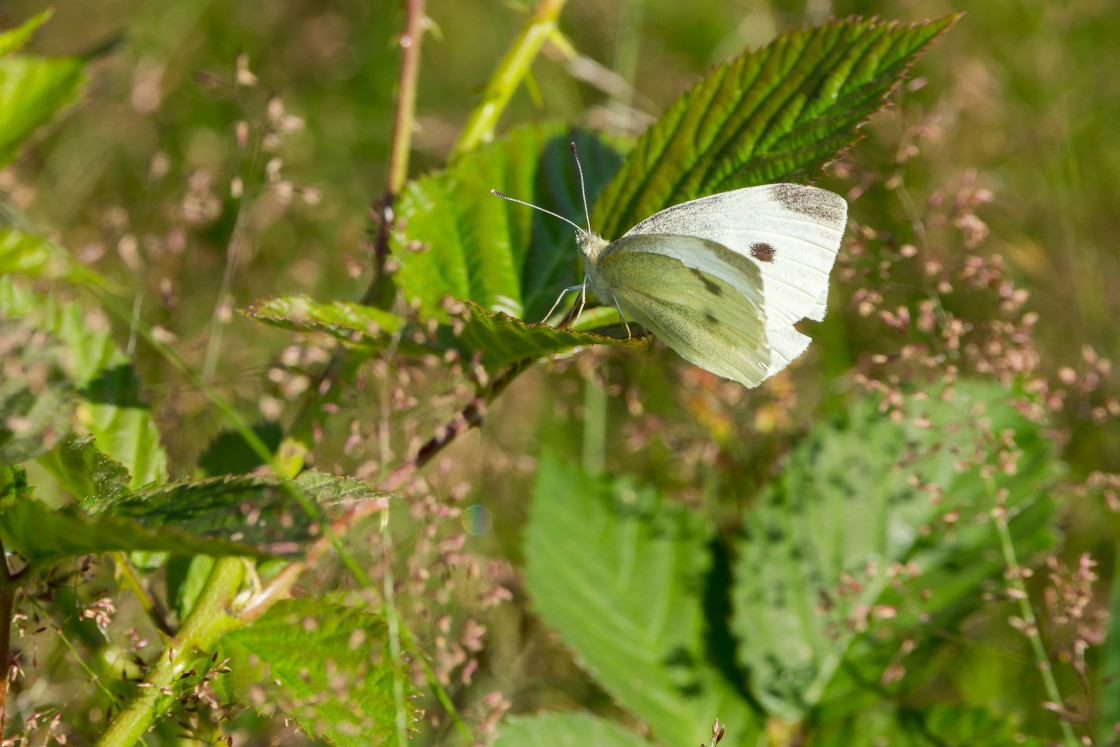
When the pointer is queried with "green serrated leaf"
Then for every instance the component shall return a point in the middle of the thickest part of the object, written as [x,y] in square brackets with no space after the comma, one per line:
[935,725]
[497,337]
[41,534]
[256,511]
[84,471]
[14,40]
[36,393]
[618,573]
[777,114]
[32,91]
[327,667]
[875,531]
[454,239]
[252,516]
[109,406]
[568,730]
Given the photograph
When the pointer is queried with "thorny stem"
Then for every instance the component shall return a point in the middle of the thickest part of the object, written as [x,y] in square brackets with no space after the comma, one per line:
[401,147]
[399,150]
[1042,661]
[510,72]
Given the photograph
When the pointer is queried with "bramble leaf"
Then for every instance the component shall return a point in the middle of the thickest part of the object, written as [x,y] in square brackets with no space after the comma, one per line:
[455,239]
[109,406]
[877,530]
[777,114]
[253,516]
[84,471]
[498,338]
[618,572]
[326,666]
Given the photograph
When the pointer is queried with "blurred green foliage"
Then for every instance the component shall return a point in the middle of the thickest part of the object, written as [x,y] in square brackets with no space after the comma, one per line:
[137,182]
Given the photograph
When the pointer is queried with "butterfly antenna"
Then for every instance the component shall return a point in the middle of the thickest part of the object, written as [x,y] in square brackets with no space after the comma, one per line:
[582,187]
[496,193]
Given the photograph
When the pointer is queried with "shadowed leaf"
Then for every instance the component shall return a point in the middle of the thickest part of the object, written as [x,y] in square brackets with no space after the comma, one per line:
[457,240]
[876,530]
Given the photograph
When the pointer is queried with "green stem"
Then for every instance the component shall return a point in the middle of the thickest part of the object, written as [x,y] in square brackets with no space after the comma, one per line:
[1042,661]
[445,701]
[511,71]
[209,620]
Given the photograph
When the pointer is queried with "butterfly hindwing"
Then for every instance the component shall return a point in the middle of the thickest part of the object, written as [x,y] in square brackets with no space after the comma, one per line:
[703,300]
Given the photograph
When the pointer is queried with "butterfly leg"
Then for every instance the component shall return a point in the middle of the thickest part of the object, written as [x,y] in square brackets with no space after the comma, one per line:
[582,300]
[566,291]
[622,317]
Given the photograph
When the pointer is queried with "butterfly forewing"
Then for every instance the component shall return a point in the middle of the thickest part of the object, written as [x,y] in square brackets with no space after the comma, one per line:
[790,231]
[709,310]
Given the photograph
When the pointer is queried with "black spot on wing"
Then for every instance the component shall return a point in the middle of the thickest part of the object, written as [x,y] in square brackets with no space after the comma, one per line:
[709,285]
[818,204]
[762,252]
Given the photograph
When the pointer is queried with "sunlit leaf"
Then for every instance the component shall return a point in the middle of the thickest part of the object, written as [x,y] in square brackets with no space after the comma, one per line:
[777,114]
[32,91]
[327,667]
[618,572]
[498,338]
[83,470]
[14,40]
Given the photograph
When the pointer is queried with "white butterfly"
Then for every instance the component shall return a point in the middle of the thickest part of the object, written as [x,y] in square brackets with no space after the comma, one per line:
[722,279]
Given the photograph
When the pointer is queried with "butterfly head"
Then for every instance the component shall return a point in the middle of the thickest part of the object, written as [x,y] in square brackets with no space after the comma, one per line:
[590,245]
